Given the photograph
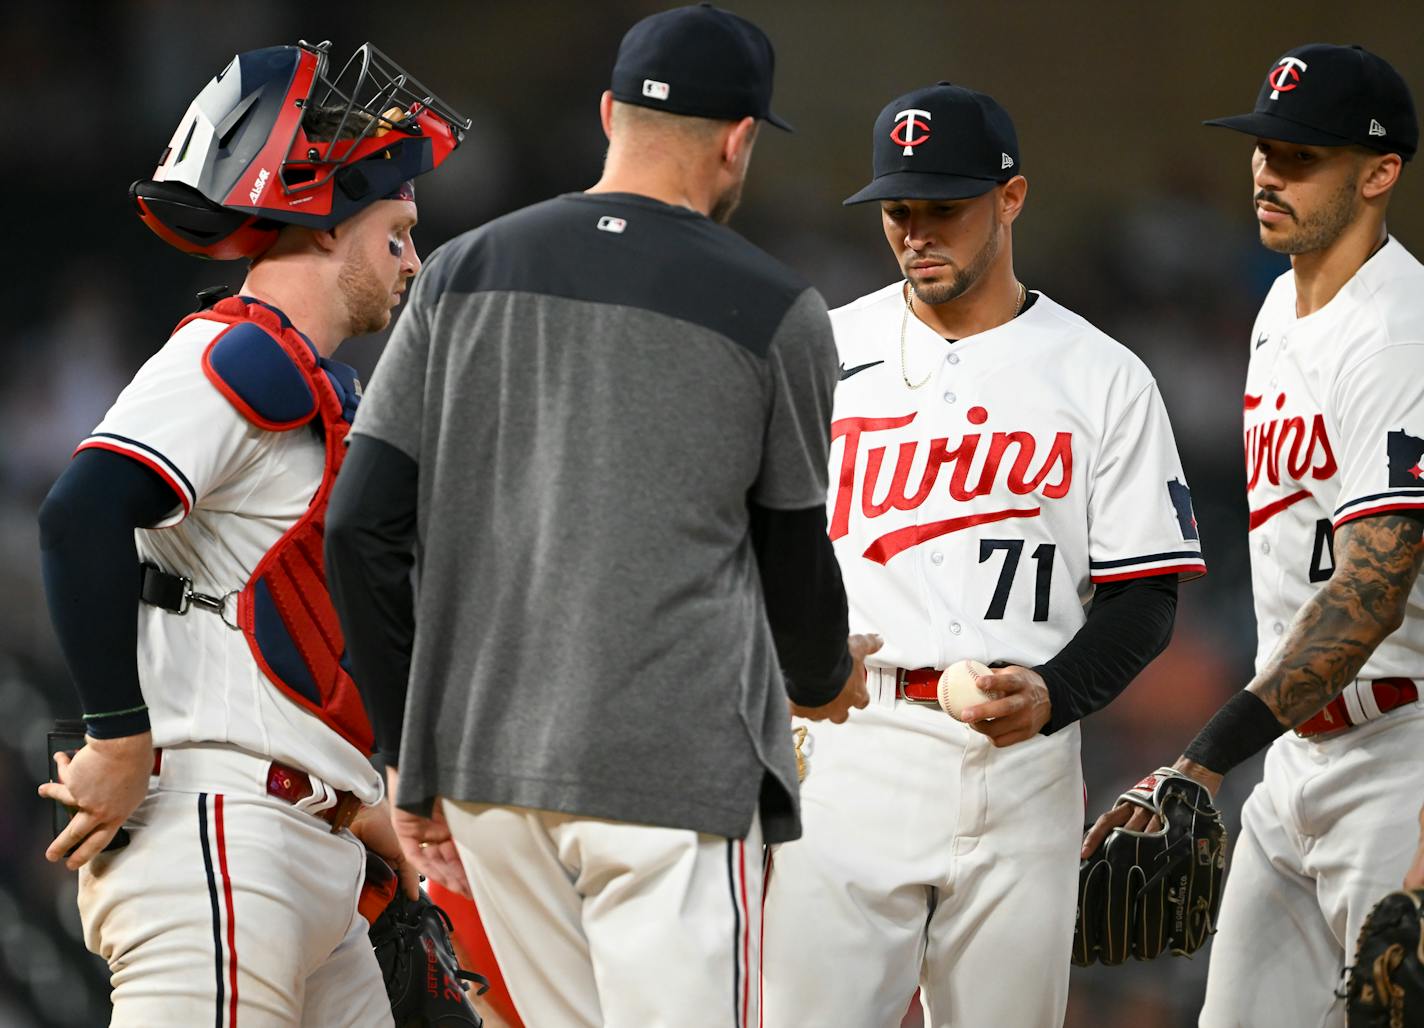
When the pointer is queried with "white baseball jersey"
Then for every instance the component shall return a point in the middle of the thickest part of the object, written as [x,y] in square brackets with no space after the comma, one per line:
[973,515]
[1334,431]
[239,489]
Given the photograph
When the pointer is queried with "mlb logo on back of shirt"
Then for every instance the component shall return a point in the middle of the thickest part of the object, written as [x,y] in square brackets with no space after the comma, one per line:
[608,223]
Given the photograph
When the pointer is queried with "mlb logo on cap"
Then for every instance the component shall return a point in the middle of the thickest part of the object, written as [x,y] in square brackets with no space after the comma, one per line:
[656,90]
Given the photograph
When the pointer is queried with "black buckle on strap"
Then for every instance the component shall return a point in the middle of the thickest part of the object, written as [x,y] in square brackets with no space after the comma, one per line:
[175,593]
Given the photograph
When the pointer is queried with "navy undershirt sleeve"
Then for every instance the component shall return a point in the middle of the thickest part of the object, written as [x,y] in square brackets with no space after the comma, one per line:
[92,578]
[370,550]
[1128,625]
[805,600]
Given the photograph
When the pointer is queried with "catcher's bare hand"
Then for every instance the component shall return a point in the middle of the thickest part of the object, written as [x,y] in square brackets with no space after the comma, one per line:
[426,844]
[1415,878]
[373,827]
[1136,819]
[853,693]
[103,783]
[1023,706]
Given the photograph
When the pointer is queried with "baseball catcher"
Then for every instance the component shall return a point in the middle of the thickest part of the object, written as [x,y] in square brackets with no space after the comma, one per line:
[1141,893]
[1385,988]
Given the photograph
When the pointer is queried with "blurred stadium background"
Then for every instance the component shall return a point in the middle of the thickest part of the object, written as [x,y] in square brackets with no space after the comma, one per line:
[1137,218]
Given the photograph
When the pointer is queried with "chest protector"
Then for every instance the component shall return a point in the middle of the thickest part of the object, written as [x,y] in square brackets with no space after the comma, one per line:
[276,380]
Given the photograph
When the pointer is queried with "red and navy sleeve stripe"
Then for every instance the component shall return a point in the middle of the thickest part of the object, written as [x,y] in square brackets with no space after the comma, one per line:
[1380,503]
[1186,564]
[149,457]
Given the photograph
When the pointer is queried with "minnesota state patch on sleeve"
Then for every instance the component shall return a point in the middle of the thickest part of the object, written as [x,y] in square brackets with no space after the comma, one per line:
[1181,498]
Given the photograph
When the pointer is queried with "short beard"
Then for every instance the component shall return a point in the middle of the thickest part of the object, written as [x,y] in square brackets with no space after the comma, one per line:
[367,300]
[1322,228]
[964,278]
[725,204]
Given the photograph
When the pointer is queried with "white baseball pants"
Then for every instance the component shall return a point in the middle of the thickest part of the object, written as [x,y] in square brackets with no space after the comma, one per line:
[231,908]
[928,858]
[604,923]
[1331,828]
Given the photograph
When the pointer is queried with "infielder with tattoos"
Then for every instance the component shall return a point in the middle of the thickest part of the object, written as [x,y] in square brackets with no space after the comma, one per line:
[1334,432]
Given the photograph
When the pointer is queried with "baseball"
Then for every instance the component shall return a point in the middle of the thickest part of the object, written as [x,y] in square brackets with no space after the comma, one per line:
[959,686]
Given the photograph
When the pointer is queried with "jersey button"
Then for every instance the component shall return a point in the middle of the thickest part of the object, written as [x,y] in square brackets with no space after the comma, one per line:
[953,358]
[1278,628]
[936,557]
[956,627]
[949,397]
[1265,546]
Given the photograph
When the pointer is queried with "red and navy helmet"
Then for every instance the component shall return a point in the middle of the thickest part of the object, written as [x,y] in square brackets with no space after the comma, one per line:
[273,141]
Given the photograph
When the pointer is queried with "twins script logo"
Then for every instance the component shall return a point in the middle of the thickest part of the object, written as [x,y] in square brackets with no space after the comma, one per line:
[1008,459]
[1289,445]
[1285,76]
[907,123]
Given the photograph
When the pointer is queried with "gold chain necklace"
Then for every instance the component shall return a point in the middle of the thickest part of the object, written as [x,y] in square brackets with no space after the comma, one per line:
[905,320]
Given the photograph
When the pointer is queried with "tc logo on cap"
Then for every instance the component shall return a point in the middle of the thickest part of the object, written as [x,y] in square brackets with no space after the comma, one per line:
[1284,77]
[655,89]
[907,123]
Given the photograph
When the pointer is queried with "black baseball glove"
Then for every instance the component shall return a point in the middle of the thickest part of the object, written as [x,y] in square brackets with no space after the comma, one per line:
[424,980]
[1385,988]
[1144,892]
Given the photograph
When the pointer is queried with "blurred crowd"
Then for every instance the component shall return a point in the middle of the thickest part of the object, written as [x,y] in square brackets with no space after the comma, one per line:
[1137,219]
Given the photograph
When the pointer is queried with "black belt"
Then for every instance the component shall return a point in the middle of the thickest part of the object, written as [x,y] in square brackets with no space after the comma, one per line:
[175,593]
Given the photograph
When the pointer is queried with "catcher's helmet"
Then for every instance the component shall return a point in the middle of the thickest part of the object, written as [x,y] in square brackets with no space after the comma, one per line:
[272,141]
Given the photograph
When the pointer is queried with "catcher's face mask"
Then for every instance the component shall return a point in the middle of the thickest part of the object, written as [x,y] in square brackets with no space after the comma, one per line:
[274,140]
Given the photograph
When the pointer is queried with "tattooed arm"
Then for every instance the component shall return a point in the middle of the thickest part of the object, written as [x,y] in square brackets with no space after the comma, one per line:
[1377,560]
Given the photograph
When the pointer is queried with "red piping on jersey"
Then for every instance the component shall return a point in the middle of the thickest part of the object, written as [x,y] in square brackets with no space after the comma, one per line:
[148,462]
[1182,569]
[1369,511]
[891,543]
[231,919]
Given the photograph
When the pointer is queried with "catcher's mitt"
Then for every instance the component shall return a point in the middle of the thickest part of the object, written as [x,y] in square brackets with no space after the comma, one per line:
[1144,892]
[1385,988]
[424,981]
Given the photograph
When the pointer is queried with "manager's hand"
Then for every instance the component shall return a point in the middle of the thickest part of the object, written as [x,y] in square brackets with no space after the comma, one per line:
[853,693]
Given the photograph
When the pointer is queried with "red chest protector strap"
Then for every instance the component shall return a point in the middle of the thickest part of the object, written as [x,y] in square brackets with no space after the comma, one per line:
[274,378]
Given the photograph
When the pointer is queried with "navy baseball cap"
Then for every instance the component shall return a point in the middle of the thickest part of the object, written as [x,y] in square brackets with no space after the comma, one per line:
[943,142]
[699,61]
[1324,95]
